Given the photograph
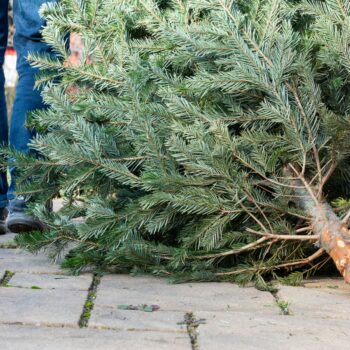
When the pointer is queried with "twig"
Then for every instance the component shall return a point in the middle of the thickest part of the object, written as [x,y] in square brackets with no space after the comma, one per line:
[258,243]
[342,9]
[304,164]
[285,237]
[346,217]
[304,229]
[326,177]
[314,178]
[254,218]
[302,261]
[251,198]
[286,264]
[262,175]
[302,111]
[306,185]
[250,246]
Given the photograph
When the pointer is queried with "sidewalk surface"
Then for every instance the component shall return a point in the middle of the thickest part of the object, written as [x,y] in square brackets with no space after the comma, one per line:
[43,308]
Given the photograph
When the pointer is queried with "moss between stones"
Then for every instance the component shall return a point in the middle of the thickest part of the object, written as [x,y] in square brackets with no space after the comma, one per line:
[9,245]
[192,325]
[6,278]
[89,303]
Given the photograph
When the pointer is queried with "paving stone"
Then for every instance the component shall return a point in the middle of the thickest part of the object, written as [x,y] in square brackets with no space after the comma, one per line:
[57,204]
[165,321]
[18,260]
[328,283]
[123,289]
[33,338]
[247,331]
[43,306]
[43,281]
[8,238]
[317,303]
[174,301]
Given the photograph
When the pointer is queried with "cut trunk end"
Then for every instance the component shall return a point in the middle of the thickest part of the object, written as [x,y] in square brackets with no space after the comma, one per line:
[333,233]
[335,239]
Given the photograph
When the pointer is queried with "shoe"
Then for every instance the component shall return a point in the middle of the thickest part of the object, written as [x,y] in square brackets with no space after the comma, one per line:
[3,216]
[19,222]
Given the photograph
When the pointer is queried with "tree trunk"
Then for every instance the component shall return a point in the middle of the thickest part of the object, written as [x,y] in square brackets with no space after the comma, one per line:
[334,234]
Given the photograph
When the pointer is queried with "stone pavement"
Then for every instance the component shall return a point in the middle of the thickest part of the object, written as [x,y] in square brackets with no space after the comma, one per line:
[43,308]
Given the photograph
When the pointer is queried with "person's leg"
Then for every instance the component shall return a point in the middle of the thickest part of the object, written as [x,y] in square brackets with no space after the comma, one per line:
[27,40]
[3,110]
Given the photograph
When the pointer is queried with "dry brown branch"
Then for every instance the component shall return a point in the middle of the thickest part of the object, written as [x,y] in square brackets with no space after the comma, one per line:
[250,246]
[294,263]
[285,237]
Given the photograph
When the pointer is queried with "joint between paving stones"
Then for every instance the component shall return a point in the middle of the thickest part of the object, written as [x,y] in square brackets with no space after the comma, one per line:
[89,303]
[6,278]
[282,304]
[192,325]
[8,245]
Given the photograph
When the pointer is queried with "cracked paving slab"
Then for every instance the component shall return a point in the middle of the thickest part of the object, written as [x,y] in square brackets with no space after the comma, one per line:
[33,338]
[174,301]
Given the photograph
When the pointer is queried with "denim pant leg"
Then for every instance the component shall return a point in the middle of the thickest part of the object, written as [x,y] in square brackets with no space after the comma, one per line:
[3,110]
[27,40]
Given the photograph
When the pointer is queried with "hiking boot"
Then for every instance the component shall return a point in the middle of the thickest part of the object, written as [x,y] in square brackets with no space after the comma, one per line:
[18,221]
[3,216]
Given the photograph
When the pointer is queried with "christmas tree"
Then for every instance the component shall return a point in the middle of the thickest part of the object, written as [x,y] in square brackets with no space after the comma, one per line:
[199,139]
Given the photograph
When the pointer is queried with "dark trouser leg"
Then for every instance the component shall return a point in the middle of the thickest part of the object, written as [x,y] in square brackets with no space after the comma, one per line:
[3,110]
[27,40]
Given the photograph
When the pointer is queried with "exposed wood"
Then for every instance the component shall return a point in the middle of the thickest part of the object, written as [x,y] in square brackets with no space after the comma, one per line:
[333,233]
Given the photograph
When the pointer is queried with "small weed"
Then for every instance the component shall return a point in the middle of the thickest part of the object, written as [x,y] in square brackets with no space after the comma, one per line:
[89,303]
[141,307]
[87,315]
[192,325]
[35,287]
[4,282]
[284,306]
[332,286]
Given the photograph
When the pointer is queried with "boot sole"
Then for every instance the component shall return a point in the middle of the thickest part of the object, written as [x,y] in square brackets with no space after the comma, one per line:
[3,228]
[18,226]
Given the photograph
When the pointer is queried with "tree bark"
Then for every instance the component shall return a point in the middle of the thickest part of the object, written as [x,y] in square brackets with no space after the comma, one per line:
[334,236]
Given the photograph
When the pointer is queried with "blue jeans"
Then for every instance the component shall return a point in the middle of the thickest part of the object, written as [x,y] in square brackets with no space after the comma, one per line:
[27,40]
